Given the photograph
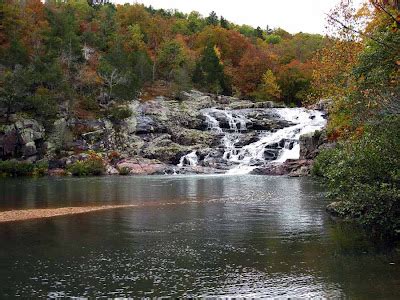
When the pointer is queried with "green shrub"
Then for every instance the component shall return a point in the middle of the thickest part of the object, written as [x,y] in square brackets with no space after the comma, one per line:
[93,166]
[14,168]
[89,103]
[364,176]
[40,169]
[116,114]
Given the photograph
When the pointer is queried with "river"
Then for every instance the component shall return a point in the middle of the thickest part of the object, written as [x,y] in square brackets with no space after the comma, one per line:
[223,236]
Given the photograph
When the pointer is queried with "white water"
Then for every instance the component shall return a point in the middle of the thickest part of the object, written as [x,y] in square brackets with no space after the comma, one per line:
[237,122]
[306,121]
[190,159]
[212,123]
[247,158]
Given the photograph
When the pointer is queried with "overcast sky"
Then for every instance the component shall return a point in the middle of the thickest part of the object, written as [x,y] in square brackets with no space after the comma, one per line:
[291,15]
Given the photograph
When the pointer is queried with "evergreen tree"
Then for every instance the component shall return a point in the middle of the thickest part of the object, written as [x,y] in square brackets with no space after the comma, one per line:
[209,72]
[258,32]
[224,23]
[212,19]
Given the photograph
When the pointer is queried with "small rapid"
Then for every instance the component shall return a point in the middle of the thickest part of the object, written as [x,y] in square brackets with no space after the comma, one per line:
[285,140]
[270,145]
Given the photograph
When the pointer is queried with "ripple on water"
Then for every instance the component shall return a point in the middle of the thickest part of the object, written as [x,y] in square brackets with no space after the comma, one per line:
[240,236]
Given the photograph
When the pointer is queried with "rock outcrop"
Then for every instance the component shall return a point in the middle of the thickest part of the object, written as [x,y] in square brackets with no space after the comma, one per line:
[22,139]
[161,132]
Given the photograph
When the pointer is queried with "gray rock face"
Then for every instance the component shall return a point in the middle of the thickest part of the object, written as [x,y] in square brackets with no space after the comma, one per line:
[159,133]
[22,139]
[310,143]
[293,168]
[145,124]
[323,105]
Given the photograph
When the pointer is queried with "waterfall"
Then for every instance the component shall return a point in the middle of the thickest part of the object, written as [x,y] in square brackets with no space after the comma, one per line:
[212,123]
[242,156]
[269,148]
[190,159]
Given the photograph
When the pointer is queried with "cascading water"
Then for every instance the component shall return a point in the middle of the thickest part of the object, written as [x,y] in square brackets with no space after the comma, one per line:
[190,159]
[265,150]
[270,147]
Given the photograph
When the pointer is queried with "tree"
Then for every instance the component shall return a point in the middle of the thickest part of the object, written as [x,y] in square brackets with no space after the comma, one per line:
[224,23]
[209,71]
[171,58]
[294,80]
[117,72]
[195,22]
[98,2]
[13,90]
[268,89]
[212,19]
[258,32]
[253,64]
[136,36]
[230,43]
[273,39]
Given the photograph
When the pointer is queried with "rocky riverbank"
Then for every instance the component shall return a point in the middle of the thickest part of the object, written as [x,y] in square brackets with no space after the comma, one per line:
[160,135]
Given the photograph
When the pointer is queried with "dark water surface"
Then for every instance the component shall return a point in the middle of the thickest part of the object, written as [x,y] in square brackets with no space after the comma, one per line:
[251,236]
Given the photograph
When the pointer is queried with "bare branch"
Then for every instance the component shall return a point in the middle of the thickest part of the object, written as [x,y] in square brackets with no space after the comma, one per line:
[360,32]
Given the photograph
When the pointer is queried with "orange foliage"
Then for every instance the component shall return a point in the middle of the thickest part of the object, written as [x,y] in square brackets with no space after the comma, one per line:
[332,66]
[231,44]
[252,66]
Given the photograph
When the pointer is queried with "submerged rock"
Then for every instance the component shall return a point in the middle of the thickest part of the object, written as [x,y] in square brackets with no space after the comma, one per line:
[292,168]
[142,166]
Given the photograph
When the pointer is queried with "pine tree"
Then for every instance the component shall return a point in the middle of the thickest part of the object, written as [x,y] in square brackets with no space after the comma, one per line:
[212,19]
[224,23]
[258,32]
[209,72]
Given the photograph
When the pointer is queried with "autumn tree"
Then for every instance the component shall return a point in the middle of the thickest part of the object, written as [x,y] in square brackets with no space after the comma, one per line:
[294,80]
[268,89]
[253,64]
[171,60]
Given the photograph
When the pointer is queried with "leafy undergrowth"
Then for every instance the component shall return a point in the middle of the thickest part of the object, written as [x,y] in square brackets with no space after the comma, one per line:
[364,177]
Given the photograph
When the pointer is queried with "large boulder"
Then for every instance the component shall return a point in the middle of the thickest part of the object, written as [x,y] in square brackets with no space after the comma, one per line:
[324,105]
[164,149]
[310,144]
[191,137]
[292,167]
[145,124]
[142,166]
[24,138]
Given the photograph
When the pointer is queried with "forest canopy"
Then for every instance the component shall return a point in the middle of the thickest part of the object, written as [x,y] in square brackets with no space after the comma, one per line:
[85,55]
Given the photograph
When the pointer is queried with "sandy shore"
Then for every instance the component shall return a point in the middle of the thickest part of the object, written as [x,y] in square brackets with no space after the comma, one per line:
[30,214]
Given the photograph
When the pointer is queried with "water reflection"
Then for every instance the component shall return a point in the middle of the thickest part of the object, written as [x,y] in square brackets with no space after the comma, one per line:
[250,236]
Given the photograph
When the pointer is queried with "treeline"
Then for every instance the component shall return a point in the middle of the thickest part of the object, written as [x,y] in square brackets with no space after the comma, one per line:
[360,72]
[84,55]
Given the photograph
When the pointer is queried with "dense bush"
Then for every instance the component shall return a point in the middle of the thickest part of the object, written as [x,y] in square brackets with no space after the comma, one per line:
[364,176]
[14,168]
[93,166]
[116,114]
